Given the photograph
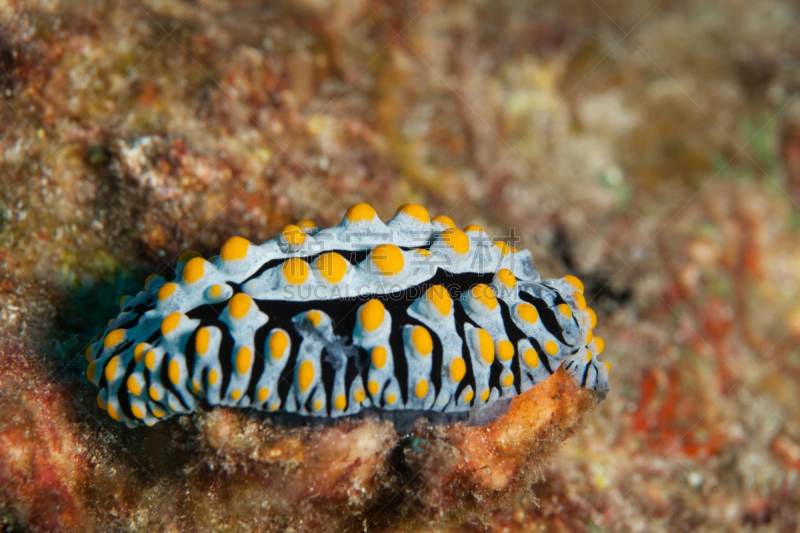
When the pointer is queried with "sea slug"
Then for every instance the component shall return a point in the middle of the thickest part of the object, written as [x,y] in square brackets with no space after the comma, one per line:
[412,314]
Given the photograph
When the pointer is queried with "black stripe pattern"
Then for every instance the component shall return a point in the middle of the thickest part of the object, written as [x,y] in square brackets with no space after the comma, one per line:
[411,314]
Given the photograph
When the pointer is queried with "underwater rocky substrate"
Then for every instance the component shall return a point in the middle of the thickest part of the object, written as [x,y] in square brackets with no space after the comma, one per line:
[234,469]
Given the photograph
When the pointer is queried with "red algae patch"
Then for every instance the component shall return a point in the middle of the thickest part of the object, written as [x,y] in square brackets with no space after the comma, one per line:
[42,461]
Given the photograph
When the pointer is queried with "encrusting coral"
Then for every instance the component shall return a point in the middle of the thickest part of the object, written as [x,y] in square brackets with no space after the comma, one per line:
[448,472]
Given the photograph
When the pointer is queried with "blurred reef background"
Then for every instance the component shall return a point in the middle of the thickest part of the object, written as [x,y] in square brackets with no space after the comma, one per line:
[651,148]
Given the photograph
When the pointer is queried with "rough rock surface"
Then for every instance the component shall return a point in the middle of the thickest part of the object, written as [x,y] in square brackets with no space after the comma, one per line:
[651,148]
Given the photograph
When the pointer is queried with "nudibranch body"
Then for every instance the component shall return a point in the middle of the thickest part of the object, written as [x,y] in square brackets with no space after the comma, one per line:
[412,314]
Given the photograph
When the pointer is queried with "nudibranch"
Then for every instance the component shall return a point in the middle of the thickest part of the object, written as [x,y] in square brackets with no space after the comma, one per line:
[412,314]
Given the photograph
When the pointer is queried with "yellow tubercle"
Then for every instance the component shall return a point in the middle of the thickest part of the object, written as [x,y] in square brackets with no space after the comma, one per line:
[111,368]
[551,347]
[601,345]
[278,341]
[315,317]
[154,393]
[580,300]
[194,270]
[371,315]
[340,403]
[359,212]
[458,369]
[360,395]
[305,375]
[215,291]
[440,298]
[166,291]
[202,340]
[422,340]
[592,317]
[293,235]
[505,350]
[332,266]
[388,258]
[113,338]
[169,324]
[485,295]
[150,360]
[575,282]
[531,358]
[113,413]
[421,390]
[505,249]
[456,239]
[134,387]
[234,248]
[243,360]
[174,372]
[295,270]
[486,346]
[263,394]
[239,305]
[138,352]
[306,225]
[90,370]
[416,211]
[379,356]
[506,277]
[527,312]
[445,221]
[373,387]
